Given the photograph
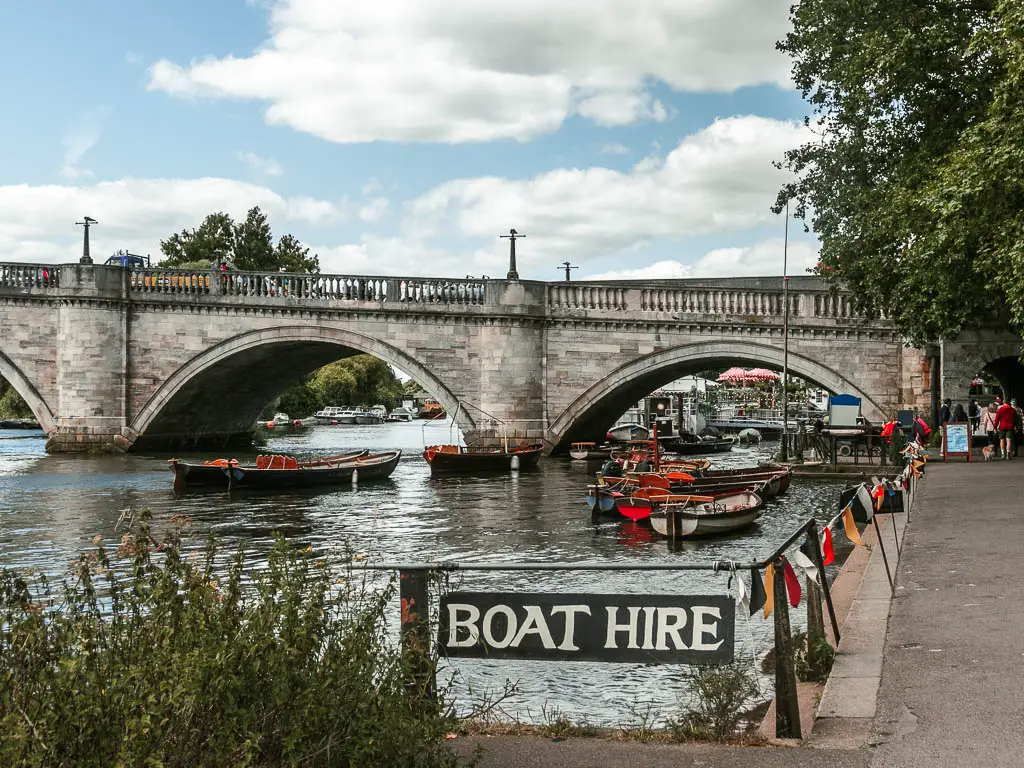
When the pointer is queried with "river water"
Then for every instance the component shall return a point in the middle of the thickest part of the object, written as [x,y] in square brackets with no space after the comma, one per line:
[51,507]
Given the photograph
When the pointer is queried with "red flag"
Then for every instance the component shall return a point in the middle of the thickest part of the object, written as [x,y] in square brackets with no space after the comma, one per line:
[828,554]
[792,583]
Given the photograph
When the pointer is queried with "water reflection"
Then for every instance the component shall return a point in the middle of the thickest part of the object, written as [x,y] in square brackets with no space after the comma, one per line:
[52,506]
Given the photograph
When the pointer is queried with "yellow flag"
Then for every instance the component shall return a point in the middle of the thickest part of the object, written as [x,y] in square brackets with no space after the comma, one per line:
[769,590]
[850,526]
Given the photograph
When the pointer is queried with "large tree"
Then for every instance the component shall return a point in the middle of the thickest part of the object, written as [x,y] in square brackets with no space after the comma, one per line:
[247,245]
[914,180]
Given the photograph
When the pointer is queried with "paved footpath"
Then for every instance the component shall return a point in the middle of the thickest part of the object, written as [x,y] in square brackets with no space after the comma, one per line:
[952,691]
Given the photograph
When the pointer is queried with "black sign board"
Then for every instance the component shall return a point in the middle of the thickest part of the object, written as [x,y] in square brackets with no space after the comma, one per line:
[666,629]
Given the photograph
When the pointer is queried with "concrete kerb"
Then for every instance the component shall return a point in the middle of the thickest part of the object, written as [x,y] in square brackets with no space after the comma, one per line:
[863,599]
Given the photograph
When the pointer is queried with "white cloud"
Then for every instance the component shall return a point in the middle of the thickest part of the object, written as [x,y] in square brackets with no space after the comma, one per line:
[37,222]
[80,139]
[718,180]
[261,165]
[714,183]
[764,258]
[374,210]
[462,70]
[614,149]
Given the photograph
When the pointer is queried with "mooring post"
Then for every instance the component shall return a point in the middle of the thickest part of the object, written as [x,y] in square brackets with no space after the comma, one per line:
[414,595]
[819,562]
[787,707]
[815,615]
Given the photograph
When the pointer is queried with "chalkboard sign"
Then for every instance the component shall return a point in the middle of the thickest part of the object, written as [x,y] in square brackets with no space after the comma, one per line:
[956,440]
[672,629]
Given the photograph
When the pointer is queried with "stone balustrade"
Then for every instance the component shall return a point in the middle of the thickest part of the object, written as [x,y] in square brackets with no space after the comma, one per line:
[700,301]
[307,287]
[742,297]
[17,275]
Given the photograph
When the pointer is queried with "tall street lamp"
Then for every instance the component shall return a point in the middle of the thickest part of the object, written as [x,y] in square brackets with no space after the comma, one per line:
[86,258]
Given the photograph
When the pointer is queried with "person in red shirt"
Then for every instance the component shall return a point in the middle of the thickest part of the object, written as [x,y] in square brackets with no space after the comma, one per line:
[1005,417]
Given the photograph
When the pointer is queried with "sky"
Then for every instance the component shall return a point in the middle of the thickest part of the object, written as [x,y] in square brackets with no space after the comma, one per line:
[632,138]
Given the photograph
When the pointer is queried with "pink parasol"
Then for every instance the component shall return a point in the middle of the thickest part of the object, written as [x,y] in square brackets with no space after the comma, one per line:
[734,374]
[762,374]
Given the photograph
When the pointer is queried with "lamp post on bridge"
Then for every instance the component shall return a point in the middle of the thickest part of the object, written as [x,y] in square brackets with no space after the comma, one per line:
[784,453]
[512,236]
[86,258]
[566,266]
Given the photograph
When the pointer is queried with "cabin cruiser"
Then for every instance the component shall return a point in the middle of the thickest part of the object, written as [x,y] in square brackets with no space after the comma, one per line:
[334,414]
[401,413]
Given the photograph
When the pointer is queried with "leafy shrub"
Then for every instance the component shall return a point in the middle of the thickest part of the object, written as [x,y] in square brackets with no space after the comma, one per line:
[143,657]
[812,660]
[721,695]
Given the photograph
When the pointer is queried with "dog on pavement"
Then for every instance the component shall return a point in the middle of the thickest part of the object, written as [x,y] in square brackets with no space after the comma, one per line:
[988,452]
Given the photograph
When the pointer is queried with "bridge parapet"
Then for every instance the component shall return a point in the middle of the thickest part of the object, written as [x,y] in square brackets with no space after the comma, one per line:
[703,299]
[22,276]
[308,287]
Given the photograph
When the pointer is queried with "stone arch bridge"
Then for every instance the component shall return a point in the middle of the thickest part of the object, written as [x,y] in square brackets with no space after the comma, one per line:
[110,358]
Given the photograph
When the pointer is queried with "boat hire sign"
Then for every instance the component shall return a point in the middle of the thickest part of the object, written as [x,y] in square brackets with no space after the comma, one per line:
[680,629]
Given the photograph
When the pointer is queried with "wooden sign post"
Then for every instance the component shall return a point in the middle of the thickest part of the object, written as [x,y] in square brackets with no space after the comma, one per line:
[956,440]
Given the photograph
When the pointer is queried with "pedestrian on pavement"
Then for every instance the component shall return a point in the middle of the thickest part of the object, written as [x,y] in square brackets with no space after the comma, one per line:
[959,414]
[1005,418]
[945,412]
[974,414]
[988,424]
[1018,426]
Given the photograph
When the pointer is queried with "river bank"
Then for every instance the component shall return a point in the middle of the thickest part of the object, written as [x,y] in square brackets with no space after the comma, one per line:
[53,506]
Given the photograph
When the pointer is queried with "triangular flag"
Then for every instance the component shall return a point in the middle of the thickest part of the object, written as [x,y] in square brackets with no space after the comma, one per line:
[792,583]
[757,594]
[828,554]
[803,562]
[878,495]
[850,527]
[741,592]
[865,501]
[769,590]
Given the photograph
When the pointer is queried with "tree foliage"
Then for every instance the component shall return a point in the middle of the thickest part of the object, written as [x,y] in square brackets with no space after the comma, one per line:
[358,380]
[914,180]
[247,245]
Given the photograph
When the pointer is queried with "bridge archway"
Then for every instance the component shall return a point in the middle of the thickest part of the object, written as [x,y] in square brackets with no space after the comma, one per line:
[28,393]
[618,390]
[220,392]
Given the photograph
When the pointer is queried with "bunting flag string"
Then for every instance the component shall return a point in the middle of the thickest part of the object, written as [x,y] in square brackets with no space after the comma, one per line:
[769,590]
[850,528]
[878,494]
[792,583]
[741,590]
[803,562]
[865,501]
[757,593]
[828,553]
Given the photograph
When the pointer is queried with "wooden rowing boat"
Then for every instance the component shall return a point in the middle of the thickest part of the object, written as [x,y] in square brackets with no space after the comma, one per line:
[278,471]
[723,515]
[589,452]
[460,459]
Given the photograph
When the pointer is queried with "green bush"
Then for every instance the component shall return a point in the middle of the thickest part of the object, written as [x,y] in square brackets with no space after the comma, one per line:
[721,695]
[144,657]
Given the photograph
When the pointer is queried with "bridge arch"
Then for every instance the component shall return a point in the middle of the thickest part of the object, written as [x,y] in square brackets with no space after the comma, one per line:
[299,350]
[609,397]
[40,409]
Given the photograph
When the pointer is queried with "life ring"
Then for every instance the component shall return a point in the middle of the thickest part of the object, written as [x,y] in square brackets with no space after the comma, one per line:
[844,450]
